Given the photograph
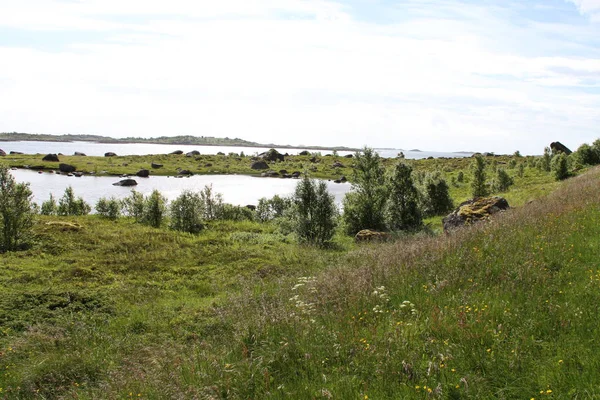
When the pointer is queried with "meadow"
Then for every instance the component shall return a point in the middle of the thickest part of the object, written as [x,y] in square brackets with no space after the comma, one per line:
[505,309]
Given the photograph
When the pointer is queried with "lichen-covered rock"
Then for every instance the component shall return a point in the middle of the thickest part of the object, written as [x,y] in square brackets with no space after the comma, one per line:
[474,210]
[370,235]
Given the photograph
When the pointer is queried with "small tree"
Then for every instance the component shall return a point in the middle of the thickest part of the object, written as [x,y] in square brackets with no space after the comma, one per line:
[502,181]
[402,211]
[478,184]
[69,205]
[364,206]
[154,209]
[16,212]
[133,206]
[108,208]
[315,212]
[546,159]
[560,167]
[49,207]
[212,203]
[435,195]
[186,212]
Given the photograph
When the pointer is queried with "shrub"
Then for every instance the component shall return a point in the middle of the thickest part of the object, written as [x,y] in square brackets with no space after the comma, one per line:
[154,209]
[315,212]
[560,167]
[212,203]
[435,195]
[588,155]
[521,170]
[69,205]
[49,207]
[478,185]
[402,211]
[186,212]
[502,181]
[546,159]
[364,206]
[460,177]
[236,213]
[276,207]
[133,206]
[16,212]
[108,208]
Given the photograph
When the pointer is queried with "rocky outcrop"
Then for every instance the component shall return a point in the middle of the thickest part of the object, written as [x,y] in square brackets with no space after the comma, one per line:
[126,182]
[370,235]
[259,165]
[51,157]
[66,168]
[143,173]
[272,155]
[110,154]
[558,147]
[474,210]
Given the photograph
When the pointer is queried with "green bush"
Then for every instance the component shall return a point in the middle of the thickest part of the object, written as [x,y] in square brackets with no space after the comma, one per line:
[560,167]
[69,205]
[155,208]
[435,195]
[186,212]
[588,154]
[502,181]
[133,206]
[402,209]
[16,212]
[236,213]
[364,206]
[212,203]
[108,208]
[315,212]
[49,207]
[275,207]
[479,185]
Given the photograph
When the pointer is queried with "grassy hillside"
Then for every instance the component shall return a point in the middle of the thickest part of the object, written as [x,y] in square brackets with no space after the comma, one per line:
[507,309]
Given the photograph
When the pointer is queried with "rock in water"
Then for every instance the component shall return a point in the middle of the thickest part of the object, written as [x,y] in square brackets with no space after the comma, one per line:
[50,157]
[474,210]
[66,168]
[143,173]
[126,182]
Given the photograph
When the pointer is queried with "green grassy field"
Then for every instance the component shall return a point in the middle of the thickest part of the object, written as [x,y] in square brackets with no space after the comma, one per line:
[506,309]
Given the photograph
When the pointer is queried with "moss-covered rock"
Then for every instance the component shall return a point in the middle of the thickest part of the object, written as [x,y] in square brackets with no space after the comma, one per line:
[474,210]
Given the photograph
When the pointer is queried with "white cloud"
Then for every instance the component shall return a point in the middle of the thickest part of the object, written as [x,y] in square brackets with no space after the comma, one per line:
[588,7]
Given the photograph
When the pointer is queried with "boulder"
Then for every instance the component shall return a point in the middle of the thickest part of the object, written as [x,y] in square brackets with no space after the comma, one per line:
[296,174]
[270,174]
[80,154]
[343,179]
[156,165]
[16,152]
[143,173]
[51,157]
[177,152]
[313,159]
[126,182]
[474,210]
[370,235]
[2,153]
[272,155]
[348,156]
[558,147]
[208,165]
[110,154]
[77,174]
[185,172]
[337,164]
[192,153]
[251,207]
[259,165]
[66,168]
[304,153]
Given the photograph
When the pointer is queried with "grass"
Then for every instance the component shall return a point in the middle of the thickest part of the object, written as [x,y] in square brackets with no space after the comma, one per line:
[505,309]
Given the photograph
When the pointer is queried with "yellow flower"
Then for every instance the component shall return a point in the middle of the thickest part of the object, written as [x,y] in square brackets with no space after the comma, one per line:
[560,361]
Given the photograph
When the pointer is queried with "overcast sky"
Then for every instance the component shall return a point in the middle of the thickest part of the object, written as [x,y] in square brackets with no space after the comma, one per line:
[442,75]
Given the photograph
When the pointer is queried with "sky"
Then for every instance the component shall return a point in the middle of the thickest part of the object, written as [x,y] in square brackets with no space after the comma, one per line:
[438,75]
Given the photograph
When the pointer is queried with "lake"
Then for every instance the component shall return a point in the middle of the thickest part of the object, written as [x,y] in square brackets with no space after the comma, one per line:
[236,189]
[123,149]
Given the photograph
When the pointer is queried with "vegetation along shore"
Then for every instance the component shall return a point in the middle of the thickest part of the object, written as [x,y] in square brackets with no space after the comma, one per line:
[294,298]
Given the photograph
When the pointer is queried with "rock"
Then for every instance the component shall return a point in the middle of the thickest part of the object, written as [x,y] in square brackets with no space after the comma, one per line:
[343,179]
[558,147]
[220,153]
[177,152]
[208,165]
[66,168]
[185,172]
[474,210]
[2,153]
[80,154]
[296,174]
[304,153]
[110,154]
[251,207]
[283,172]
[77,174]
[192,153]
[370,235]
[337,164]
[51,157]
[270,174]
[259,165]
[143,173]
[156,165]
[16,152]
[313,159]
[126,182]
[272,155]
[348,156]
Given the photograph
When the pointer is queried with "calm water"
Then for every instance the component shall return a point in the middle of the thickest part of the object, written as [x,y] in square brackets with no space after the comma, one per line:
[98,149]
[236,189]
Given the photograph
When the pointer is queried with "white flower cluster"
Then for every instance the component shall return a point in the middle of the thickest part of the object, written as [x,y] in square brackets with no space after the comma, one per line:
[408,307]
[381,293]
[304,307]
